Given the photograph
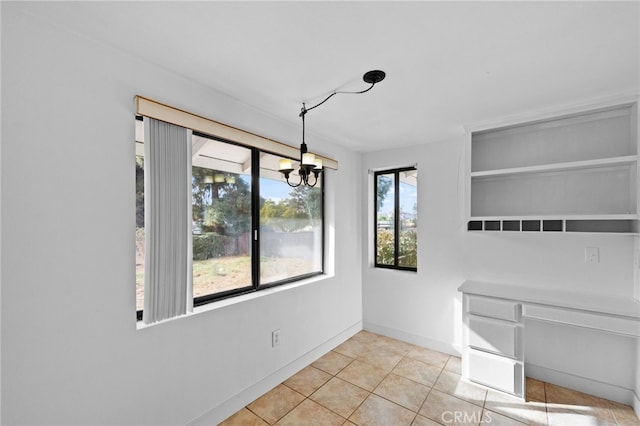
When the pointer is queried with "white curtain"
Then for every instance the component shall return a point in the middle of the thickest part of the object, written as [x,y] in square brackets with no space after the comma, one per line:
[167,209]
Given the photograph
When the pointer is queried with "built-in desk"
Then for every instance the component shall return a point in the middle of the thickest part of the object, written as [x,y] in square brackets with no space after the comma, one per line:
[494,326]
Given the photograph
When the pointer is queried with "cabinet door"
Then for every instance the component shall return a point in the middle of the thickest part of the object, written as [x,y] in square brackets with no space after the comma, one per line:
[492,335]
[493,308]
[496,372]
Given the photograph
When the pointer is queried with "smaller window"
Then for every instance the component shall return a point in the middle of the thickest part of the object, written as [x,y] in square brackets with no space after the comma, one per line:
[396,218]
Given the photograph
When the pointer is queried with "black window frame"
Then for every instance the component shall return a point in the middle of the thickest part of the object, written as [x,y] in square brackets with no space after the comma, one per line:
[255,240]
[396,222]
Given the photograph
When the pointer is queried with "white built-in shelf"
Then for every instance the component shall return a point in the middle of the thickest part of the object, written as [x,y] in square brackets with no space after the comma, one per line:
[571,173]
[627,160]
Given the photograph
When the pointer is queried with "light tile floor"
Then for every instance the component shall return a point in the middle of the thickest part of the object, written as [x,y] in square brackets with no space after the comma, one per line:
[375,380]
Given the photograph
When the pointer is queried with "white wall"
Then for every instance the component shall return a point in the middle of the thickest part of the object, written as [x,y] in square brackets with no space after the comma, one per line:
[425,307]
[71,353]
[636,398]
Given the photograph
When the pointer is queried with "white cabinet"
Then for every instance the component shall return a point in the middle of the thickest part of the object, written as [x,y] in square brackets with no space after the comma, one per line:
[493,352]
[494,332]
[570,173]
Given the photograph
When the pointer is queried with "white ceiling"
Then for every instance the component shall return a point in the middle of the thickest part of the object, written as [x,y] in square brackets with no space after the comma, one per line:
[448,64]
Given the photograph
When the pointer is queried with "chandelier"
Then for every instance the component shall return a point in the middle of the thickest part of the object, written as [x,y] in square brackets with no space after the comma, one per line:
[309,164]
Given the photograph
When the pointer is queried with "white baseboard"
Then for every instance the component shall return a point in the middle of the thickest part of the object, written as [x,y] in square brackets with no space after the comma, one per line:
[413,338]
[240,400]
[583,384]
[636,404]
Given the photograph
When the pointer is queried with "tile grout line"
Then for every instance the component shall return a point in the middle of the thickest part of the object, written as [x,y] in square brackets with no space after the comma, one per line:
[367,397]
[406,355]
[431,390]
[546,404]
[377,385]
[346,381]
[332,376]
[292,408]
[258,415]
[415,413]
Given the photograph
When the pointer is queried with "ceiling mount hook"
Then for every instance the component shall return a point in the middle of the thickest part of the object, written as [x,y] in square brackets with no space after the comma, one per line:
[374,76]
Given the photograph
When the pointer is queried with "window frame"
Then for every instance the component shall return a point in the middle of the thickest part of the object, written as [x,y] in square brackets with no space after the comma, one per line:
[396,222]
[255,225]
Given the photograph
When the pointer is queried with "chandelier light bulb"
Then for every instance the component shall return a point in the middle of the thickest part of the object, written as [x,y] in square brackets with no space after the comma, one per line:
[308,159]
[285,164]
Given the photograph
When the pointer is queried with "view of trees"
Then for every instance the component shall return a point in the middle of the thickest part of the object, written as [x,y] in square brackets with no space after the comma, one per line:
[303,208]
[385,224]
[221,212]
[383,186]
[139,192]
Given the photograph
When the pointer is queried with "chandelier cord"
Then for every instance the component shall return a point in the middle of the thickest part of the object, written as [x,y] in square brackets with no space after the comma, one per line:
[338,92]
[302,114]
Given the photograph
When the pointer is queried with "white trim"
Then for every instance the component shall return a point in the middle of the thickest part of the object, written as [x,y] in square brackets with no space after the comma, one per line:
[636,404]
[425,342]
[636,268]
[232,405]
[583,384]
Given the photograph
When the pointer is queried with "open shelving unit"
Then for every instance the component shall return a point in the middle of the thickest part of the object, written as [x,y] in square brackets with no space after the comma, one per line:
[576,172]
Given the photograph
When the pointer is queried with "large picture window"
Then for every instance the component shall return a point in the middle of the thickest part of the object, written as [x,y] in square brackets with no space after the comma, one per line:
[396,218]
[290,226]
[249,229]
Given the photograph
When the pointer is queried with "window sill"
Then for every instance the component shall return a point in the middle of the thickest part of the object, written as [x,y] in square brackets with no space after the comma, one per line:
[239,299]
[390,268]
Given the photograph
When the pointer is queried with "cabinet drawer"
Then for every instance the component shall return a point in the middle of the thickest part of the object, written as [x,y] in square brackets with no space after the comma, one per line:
[495,372]
[493,308]
[493,335]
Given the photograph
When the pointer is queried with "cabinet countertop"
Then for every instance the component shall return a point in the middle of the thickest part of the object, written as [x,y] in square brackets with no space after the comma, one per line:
[582,301]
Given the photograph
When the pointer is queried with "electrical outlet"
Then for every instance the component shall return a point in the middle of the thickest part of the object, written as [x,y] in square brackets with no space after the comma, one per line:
[591,255]
[275,338]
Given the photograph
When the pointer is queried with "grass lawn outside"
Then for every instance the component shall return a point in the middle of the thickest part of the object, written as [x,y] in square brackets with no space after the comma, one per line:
[229,273]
